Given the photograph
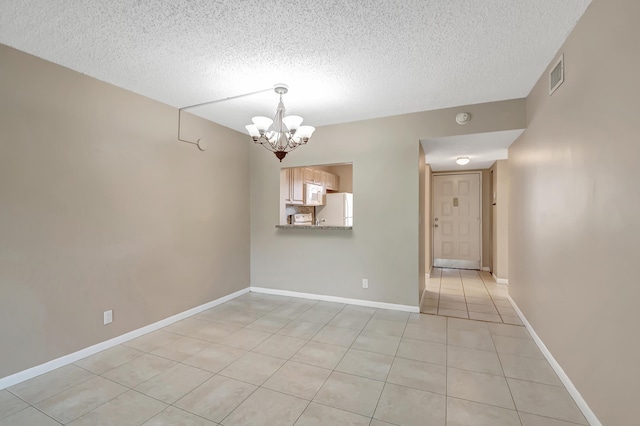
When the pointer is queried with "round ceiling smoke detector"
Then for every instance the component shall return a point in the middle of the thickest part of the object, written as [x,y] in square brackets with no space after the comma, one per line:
[463,118]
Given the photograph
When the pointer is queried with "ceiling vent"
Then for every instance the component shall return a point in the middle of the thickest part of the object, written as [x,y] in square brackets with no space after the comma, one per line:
[556,75]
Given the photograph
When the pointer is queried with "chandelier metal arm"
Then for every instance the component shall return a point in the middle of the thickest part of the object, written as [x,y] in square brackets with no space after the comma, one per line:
[199,142]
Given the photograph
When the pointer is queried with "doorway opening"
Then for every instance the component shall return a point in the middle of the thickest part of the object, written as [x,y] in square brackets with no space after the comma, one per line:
[457,220]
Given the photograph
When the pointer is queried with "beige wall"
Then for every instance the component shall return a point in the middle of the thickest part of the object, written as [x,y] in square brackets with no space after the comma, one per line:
[423,224]
[428,219]
[500,219]
[574,228]
[486,219]
[384,244]
[102,208]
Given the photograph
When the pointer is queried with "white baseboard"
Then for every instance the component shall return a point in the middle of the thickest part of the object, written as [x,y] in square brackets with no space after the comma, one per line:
[382,305]
[486,269]
[573,391]
[27,374]
[500,280]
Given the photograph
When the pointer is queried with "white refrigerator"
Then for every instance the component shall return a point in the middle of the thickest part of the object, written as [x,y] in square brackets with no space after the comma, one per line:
[337,210]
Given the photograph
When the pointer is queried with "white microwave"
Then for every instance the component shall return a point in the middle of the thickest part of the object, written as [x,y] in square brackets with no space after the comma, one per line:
[313,194]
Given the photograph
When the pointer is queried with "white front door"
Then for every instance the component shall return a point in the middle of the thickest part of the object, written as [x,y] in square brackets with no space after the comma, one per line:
[456,221]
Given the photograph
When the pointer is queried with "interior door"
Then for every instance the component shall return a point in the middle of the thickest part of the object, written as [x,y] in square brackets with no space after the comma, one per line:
[456,221]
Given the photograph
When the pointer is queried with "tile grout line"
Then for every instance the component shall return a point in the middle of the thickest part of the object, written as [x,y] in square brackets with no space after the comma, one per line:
[505,377]
[446,371]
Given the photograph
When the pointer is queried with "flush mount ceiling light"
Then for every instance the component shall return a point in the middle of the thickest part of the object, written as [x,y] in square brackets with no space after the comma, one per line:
[462,161]
[282,134]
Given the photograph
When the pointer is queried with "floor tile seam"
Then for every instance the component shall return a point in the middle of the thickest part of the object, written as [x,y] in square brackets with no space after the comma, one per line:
[555,418]
[284,393]
[446,370]
[426,362]
[164,402]
[484,403]
[263,330]
[464,293]
[358,375]
[420,389]
[509,387]
[483,372]
[552,418]
[475,349]
[477,371]
[187,365]
[386,421]
[239,404]
[4,416]
[93,375]
[88,371]
[185,358]
[301,413]
[315,394]
[21,399]
[423,340]
[104,403]
[527,339]
[160,329]
[182,409]
[157,374]
[173,404]
[520,355]
[370,351]
[312,337]
[342,409]
[378,402]
[542,358]
[39,410]
[515,409]
[560,386]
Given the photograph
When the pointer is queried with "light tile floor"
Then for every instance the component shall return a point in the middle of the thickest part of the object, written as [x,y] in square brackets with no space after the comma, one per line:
[468,294]
[271,360]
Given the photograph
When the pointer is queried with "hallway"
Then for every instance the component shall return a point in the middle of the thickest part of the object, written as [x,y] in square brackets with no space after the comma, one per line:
[467,294]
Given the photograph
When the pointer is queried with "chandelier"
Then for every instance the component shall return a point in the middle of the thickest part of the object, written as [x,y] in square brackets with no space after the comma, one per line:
[282,134]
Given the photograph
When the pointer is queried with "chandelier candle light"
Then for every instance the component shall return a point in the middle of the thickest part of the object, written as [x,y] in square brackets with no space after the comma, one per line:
[282,134]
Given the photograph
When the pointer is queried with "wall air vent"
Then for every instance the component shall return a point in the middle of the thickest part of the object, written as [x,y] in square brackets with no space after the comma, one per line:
[556,75]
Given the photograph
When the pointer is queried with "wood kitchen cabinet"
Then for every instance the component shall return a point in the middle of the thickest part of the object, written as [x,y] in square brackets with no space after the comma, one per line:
[313,176]
[330,181]
[296,185]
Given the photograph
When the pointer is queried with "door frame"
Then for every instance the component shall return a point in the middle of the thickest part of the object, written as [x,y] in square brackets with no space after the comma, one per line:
[471,172]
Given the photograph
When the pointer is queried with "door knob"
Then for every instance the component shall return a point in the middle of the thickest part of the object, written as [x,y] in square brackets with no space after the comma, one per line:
[435,226]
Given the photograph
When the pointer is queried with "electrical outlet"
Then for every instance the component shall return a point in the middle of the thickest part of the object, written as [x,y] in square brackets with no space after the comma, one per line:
[108,316]
[365,283]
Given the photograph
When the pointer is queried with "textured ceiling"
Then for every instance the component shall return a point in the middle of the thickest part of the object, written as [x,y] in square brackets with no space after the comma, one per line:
[343,60]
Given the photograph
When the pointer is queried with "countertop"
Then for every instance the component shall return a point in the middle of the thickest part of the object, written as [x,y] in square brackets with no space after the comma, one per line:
[318,227]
